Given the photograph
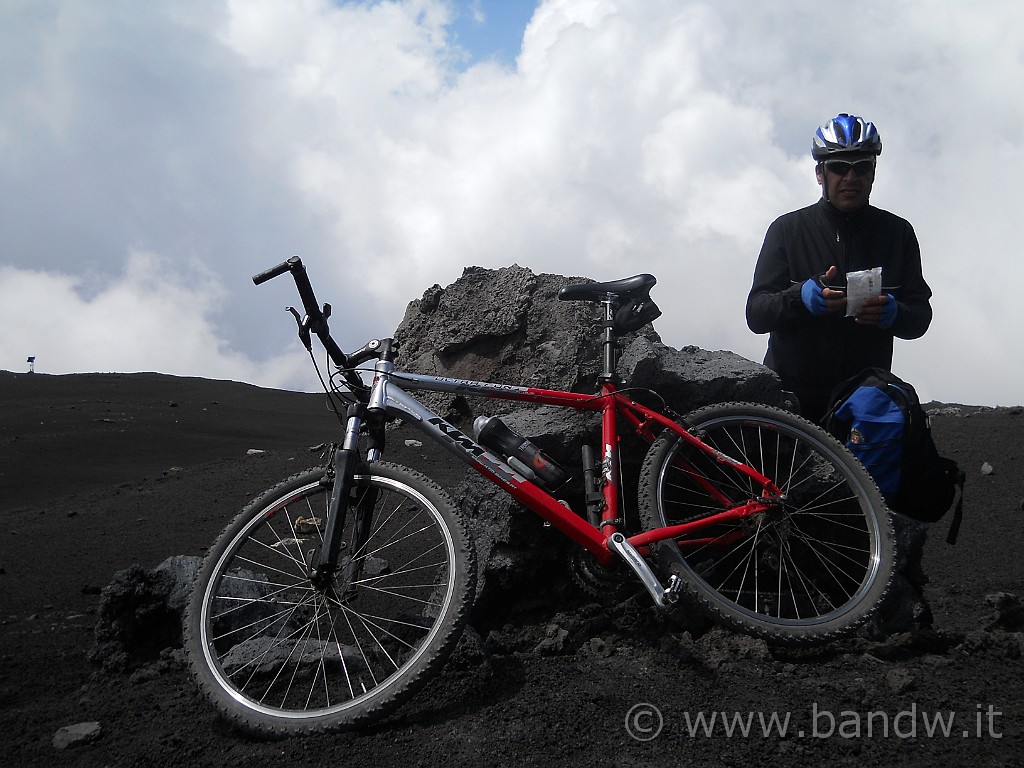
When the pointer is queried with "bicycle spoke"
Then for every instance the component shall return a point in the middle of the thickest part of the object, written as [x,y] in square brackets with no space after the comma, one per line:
[283,649]
[814,557]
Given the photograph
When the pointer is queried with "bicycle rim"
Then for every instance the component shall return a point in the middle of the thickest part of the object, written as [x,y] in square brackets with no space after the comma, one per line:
[283,656]
[814,565]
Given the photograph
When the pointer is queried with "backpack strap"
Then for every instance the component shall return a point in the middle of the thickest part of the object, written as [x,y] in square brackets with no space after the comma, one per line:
[958,511]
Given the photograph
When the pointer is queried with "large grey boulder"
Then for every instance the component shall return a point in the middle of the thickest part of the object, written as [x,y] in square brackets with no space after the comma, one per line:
[502,325]
[691,377]
[507,325]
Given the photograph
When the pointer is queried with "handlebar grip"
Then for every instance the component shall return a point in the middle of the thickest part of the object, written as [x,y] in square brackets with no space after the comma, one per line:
[280,269]
[298,272]
[315,320]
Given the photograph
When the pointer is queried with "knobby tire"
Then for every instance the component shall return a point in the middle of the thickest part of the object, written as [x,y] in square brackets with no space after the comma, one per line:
[277,656]
[811,569]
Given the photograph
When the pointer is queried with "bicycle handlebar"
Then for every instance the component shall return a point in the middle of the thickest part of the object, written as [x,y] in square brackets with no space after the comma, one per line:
[316,319]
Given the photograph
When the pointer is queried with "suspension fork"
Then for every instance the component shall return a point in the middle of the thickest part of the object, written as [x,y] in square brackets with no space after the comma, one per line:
[342,468]
[362,523]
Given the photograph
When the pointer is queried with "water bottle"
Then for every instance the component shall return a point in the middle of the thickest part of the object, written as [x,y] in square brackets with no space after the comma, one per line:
[522,455]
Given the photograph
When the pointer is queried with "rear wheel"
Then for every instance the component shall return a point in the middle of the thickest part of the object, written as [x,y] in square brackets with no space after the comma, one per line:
[811,568]
[277,655]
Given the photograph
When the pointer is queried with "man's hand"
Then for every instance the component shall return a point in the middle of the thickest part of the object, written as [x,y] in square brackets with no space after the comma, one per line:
[877,310]
[823,301]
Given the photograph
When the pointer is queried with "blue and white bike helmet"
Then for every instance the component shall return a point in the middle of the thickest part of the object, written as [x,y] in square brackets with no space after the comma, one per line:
[845,134]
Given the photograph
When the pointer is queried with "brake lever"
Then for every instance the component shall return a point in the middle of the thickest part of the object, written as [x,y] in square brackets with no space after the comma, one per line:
[303,324]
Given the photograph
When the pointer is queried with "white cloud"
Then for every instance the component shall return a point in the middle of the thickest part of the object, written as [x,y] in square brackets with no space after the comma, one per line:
[146,319]
[657,136]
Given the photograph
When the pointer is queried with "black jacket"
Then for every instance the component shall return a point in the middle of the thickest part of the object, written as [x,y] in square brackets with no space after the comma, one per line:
[813,354]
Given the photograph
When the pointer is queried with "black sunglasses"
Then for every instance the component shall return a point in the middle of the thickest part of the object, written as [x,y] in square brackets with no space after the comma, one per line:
[842,167]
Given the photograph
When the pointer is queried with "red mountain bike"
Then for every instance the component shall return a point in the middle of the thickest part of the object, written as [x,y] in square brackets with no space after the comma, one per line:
[336,594]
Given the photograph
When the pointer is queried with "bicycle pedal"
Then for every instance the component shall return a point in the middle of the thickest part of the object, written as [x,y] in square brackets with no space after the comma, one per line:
[673,589]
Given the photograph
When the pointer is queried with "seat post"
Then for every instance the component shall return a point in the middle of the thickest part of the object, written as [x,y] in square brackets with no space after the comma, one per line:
[609,341]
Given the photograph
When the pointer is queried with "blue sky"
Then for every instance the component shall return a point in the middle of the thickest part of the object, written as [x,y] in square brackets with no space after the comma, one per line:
[492,28]
[156,155]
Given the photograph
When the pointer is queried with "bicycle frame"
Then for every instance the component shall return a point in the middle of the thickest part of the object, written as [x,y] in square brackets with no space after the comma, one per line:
[387,396]
[604,540]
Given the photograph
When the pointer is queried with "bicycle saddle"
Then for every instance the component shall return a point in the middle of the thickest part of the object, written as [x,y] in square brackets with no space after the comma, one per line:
[598,291]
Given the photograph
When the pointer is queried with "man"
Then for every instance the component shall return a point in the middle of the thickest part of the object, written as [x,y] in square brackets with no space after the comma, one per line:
[798,294]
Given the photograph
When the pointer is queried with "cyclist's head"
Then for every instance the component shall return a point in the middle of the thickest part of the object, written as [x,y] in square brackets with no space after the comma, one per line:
[846,135]
[846,148]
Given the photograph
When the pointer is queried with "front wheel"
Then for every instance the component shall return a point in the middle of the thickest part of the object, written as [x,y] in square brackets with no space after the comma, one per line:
[278,655]
[811,568]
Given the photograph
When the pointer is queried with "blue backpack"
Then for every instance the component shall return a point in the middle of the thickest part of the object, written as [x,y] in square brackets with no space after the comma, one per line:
[880,419]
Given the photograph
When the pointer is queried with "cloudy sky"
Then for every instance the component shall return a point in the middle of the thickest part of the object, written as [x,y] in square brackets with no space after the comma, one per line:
[155,155]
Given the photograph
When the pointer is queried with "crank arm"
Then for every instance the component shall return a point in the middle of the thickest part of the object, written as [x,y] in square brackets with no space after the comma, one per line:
[663,596]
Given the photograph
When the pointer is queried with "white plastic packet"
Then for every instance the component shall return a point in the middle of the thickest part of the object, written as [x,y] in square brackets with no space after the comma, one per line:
[862,285]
